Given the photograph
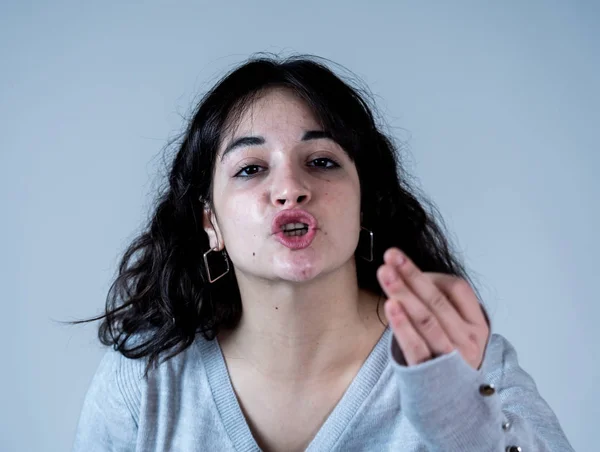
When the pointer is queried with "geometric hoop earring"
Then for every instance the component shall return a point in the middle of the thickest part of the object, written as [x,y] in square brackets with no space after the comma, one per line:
[207,265]
[365,244]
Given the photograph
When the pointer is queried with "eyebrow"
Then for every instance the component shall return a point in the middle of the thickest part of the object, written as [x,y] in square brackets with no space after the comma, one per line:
[258,140]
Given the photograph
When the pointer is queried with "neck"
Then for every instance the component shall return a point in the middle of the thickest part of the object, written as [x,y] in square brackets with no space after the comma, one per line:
[299,331]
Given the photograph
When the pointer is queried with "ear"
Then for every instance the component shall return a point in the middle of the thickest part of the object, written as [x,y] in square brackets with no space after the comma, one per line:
[211,227]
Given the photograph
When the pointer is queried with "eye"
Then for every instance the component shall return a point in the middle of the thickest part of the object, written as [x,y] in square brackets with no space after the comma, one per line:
[324,163]
[249,171]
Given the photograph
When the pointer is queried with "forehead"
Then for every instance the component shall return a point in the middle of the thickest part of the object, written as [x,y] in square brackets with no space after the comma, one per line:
[275,109]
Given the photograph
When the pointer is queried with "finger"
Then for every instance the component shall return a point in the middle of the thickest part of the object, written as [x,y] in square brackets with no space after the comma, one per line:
[435,300]
[423,319]
[461,294]
[413,346]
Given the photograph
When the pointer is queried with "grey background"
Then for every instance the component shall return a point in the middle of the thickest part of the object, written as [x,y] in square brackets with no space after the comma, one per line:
[498,102]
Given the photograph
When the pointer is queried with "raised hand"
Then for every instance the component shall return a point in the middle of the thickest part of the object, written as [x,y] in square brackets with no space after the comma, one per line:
[431,314]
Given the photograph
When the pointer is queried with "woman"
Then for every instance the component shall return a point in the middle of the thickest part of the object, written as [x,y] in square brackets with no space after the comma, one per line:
[291,293]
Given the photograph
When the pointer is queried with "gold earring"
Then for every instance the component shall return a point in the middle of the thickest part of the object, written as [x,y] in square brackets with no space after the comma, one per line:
[207,265]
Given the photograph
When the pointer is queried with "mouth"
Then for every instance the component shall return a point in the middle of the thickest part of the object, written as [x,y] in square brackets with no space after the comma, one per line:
[294,228]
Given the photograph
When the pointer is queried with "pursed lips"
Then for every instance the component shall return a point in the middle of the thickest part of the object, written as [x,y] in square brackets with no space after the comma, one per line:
[293,216]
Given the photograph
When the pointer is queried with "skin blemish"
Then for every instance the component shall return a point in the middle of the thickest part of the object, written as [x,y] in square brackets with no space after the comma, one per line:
[254,254]
[276,307]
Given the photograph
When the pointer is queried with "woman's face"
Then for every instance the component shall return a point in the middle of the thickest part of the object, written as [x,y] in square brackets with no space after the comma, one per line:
[278,171]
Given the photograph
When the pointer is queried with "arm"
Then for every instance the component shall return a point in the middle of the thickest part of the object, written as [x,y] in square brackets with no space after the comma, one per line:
[453,407]
[108,421]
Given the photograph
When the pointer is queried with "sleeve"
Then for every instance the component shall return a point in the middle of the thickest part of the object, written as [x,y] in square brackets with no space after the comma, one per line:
[496,408]
[107,422]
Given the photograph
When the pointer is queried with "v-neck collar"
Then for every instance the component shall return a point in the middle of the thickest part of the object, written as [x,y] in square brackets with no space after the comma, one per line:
[330,432]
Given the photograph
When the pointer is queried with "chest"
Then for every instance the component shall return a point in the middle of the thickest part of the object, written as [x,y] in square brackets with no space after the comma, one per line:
[286,418]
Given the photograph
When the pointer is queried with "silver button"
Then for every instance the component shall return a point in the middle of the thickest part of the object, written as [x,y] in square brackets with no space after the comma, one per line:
[513,449]
[487,390]
[506,426]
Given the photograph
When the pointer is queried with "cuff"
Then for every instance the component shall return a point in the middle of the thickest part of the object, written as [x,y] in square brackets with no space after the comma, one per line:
[448,402]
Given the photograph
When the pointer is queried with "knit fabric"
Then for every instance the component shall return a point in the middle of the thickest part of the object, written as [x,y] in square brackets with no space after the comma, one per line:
[188,404]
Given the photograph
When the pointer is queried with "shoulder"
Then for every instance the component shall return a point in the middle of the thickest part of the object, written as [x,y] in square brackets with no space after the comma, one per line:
[118,382]
[128,380]
[110,414]
[190,360]
[122,397]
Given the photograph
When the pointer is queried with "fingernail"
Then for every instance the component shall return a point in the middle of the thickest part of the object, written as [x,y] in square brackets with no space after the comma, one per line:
[400,259]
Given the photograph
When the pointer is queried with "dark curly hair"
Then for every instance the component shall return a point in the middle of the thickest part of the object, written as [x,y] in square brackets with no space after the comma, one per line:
[161,297]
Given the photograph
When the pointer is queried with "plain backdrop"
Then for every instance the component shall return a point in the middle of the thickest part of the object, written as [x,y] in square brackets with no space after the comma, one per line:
[498,103]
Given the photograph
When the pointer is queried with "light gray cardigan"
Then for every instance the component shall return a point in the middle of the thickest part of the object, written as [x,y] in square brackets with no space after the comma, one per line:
[188,404]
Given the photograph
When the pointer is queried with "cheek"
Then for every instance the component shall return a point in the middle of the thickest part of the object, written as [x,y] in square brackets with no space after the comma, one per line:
[343,209]
[346,196]
[243,219]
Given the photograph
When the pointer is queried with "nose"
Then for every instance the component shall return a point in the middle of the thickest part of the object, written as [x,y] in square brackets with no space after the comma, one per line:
[290,189]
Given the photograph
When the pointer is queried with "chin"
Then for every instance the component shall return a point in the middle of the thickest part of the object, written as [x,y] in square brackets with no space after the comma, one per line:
[300,267]
[298,274]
